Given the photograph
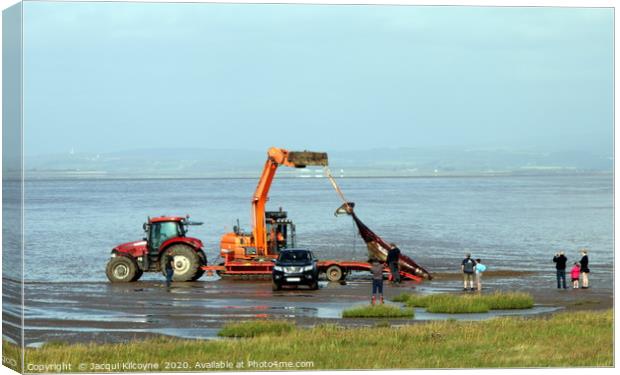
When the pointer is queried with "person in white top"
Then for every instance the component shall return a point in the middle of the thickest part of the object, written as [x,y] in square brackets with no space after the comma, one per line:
[480,268]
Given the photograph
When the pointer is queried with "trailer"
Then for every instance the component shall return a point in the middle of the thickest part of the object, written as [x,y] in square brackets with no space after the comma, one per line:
[334,270]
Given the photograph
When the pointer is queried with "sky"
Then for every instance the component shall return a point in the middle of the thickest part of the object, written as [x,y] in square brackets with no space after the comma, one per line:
[106,77]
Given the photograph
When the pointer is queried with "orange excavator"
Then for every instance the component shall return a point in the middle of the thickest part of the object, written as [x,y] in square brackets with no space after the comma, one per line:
[247,254]
[271,230]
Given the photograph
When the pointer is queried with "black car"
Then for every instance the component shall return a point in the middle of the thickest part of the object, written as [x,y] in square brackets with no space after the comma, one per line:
[295,267]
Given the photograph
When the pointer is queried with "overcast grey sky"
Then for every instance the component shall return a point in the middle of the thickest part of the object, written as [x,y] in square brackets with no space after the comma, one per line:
[102,77]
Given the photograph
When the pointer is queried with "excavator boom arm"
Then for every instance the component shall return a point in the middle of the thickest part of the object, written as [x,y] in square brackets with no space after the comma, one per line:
[275,158]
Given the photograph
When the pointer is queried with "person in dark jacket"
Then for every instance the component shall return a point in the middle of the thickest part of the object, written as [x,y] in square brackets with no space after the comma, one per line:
[560,269]
[468,267]
[584,269]
[392,261]
[169,268]
[376,268]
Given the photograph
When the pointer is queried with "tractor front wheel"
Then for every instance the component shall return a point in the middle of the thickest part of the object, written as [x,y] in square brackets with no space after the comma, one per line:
[186,262]
[138,275]
[121,269]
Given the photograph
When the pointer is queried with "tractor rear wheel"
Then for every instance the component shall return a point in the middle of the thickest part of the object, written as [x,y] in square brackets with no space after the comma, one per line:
[203,262]
[186,262]
[334,273]
[121,269]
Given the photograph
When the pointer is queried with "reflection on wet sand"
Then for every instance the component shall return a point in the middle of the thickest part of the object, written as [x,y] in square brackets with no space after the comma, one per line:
[103,312]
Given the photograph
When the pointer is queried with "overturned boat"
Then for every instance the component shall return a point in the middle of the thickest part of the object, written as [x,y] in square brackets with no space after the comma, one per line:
[378,248]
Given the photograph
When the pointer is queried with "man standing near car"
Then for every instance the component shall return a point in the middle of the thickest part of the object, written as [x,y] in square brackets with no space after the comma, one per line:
[392,261]
[560,268]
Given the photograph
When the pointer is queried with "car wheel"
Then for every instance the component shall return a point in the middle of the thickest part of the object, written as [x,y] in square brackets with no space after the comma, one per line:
[275,286]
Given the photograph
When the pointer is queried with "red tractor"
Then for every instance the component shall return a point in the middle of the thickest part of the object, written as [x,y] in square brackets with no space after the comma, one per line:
[164,235]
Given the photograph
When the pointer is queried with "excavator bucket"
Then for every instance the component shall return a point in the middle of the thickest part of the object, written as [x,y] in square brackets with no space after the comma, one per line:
[302,159]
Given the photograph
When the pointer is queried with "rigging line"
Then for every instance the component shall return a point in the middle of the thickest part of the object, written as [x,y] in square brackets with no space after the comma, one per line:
[355,231]
[331,178]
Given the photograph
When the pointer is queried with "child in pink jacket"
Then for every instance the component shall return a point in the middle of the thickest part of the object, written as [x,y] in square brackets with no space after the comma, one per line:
[574,275]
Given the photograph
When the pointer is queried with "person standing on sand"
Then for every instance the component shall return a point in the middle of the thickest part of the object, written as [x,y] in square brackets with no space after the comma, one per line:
[585,270]
[480,268]
[169,262]
[574,275]
[467,267]
[560,269]
[392,261]
[376,268]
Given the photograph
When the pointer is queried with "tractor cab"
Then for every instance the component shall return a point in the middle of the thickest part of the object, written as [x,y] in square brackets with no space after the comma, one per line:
[160,229]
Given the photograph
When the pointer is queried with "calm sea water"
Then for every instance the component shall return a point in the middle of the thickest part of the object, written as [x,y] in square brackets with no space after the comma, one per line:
[510,222]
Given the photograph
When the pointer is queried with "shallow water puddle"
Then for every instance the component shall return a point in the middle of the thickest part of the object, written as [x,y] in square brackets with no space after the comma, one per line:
[421,314]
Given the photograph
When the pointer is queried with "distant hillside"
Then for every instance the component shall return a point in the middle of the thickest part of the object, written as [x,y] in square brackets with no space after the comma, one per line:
[376,162]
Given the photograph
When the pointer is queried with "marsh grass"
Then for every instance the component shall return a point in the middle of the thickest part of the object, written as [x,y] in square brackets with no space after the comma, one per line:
[512,342]
[464,305]
[378,311]
[256,328]
[11,356]
[403,297]
[508,301]
[469,303]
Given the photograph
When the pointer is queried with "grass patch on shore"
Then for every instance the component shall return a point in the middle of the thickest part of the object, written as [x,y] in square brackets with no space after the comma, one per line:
[508,301]
[256,328]
[468,303]
[11,355]
[512,342]
[403,297]
[463,305]
[378,311]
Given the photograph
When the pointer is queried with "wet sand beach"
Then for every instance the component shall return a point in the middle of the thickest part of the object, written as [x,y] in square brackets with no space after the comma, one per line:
[105,312]
[513,223]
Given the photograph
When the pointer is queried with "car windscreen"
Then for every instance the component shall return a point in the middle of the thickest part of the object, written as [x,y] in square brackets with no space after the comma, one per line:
[294,256]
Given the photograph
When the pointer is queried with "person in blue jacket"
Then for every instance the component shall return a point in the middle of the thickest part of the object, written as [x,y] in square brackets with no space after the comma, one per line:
[480,268]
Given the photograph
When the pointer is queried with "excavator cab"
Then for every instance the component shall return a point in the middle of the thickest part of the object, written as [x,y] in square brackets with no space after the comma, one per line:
[280,231]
